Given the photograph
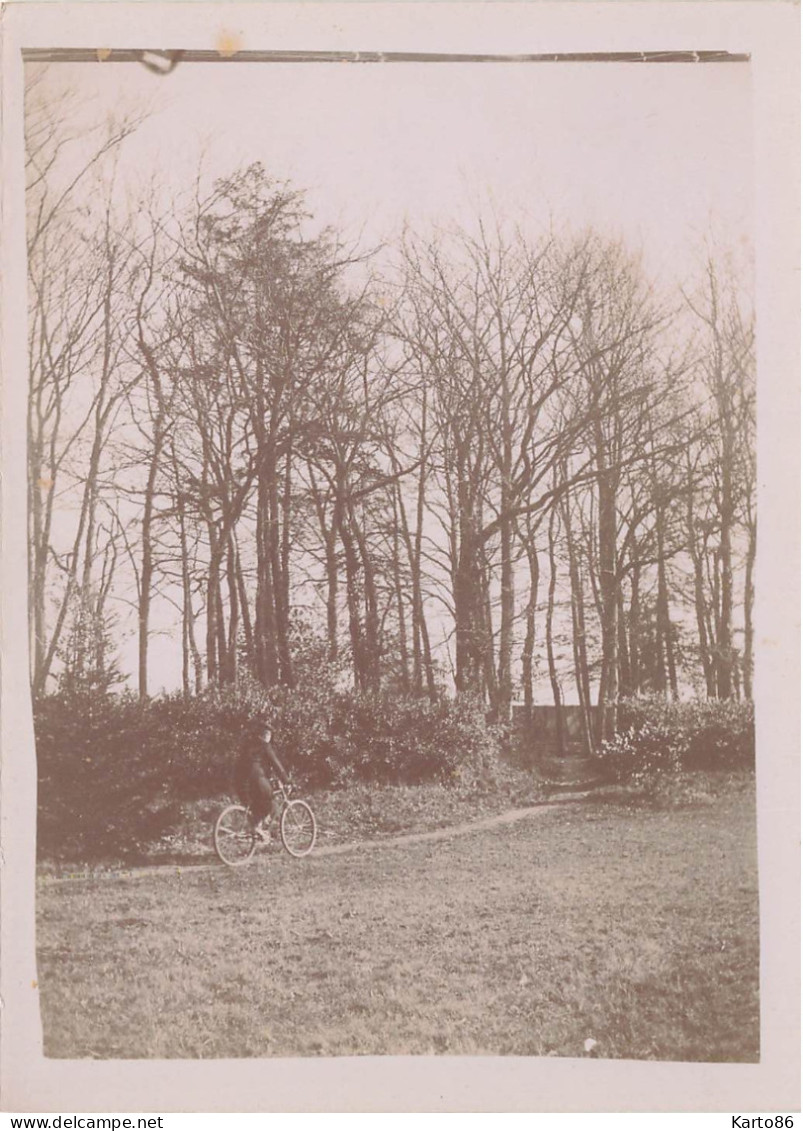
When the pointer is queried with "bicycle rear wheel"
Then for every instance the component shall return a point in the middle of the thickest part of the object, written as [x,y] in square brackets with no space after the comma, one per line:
[235,836]
[298,828]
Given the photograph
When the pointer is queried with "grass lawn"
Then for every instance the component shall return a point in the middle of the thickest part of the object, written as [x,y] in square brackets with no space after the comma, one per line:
[632,925]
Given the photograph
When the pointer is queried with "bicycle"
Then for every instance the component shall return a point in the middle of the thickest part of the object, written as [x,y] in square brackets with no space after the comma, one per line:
[237,838]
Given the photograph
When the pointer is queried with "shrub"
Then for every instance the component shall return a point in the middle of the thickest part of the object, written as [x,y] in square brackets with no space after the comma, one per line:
[711,734]
[657,737]
[641,754]
[114,770]
[329,736]
[381,738]
[91,777]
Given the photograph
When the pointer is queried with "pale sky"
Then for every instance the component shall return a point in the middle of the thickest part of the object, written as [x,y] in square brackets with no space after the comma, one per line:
[657,153]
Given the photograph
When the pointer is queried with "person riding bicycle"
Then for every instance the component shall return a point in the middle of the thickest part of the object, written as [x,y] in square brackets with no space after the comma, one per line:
[257,764]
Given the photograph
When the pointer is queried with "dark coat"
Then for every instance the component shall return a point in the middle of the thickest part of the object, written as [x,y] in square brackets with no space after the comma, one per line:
[257,765]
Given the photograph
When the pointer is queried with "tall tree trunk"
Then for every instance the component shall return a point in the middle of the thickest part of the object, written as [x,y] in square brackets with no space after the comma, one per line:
[507,596]
[625,674]
[38,481]
[416,557]
[609,677]
[528,649]
[468,657]
[397,582]
[233,641]
[700,606]
[146,567]
[469,591]
[724,652]
[352,565]
[422,655]
[486,634]
[281,561]
[330,543]
[557,695]
[211,630]
[635,627]
[281,612]
[371,640]
[329,539]
[212,607]
[666,635]
[726,423]
[579,641]
[248,629]
[267,658]
[749,600]
[220,625]
[187,641]
[190,647]
[507,612]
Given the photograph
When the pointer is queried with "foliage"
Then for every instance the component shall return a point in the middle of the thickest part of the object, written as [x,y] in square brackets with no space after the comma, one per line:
[107,766]
[658,737]
[87,653]
[115,770]
[379,737]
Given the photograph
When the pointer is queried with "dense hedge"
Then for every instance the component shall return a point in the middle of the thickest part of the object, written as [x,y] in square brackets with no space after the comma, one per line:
[656,737]
[113,770]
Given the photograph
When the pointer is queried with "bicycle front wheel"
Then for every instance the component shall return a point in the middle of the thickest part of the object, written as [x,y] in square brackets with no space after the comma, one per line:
[298,828]
[235,836]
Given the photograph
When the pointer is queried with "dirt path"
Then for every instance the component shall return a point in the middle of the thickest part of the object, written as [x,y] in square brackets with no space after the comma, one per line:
[507,818]
[453,830]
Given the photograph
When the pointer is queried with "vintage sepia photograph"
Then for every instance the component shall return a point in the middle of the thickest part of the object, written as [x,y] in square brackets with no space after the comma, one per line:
[392,539]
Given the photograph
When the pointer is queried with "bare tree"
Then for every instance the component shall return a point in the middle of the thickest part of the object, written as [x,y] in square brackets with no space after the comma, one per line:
[613,339]
[488,321]
[726,369]
[76,271]
[241,424]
